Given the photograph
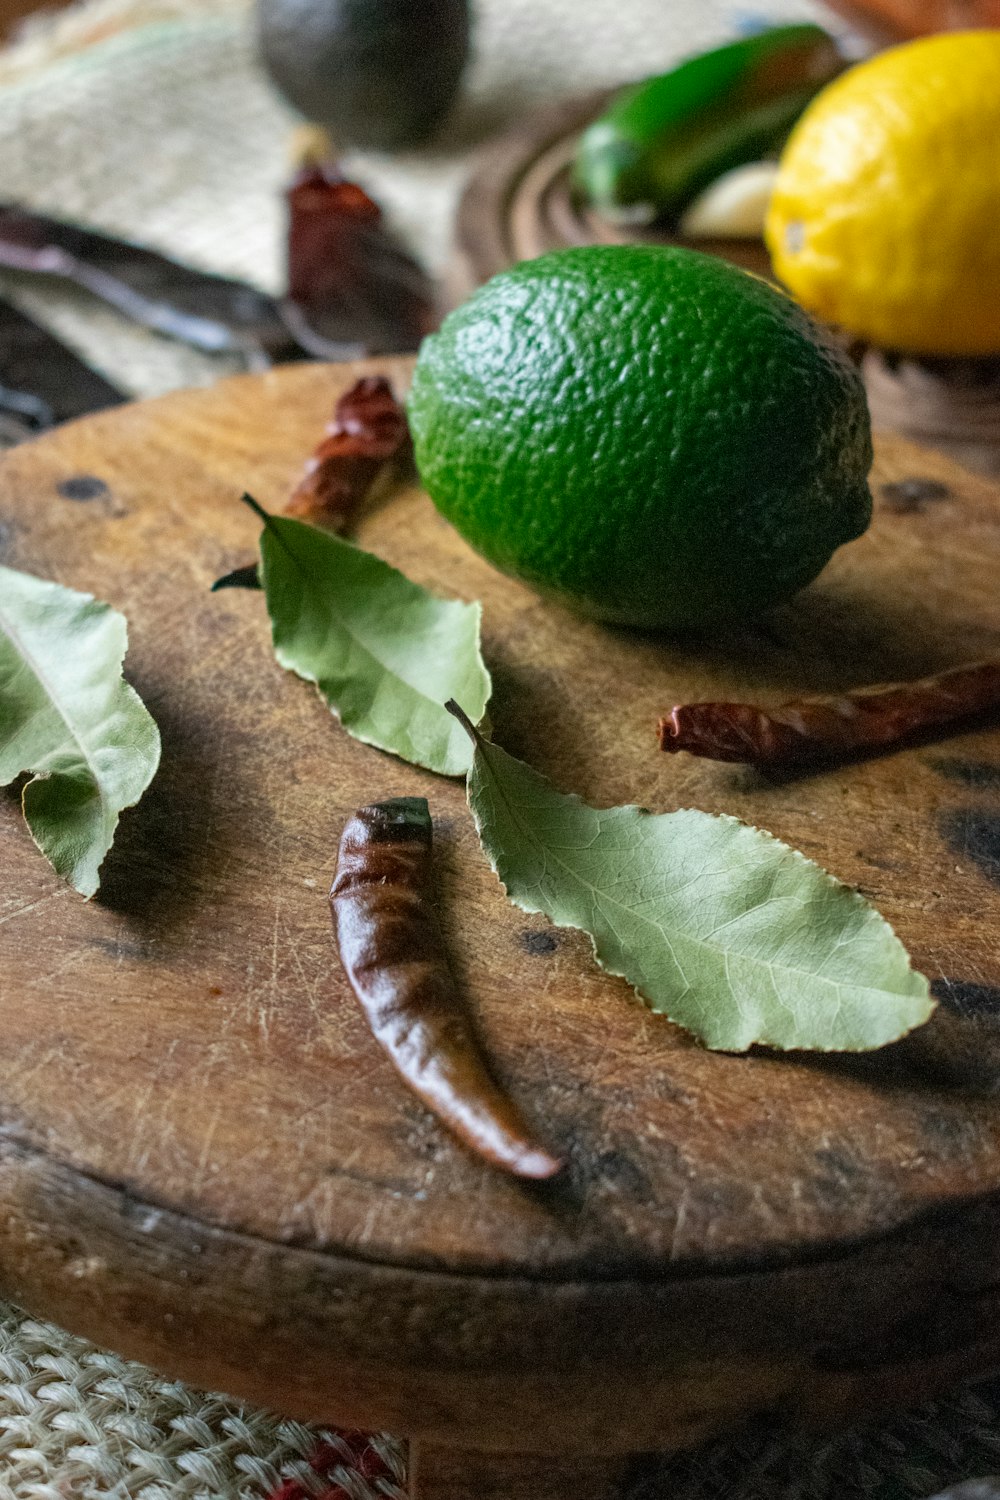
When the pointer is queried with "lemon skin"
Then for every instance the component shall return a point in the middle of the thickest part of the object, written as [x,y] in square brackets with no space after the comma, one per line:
[885,215]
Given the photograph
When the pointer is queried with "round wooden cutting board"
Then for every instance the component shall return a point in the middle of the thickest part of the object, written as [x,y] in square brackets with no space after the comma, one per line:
[207,1163]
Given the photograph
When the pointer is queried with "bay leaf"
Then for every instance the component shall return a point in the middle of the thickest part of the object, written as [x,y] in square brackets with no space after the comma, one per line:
[68,716]
[718,925]
[43,381]
[384,653]
[212,313]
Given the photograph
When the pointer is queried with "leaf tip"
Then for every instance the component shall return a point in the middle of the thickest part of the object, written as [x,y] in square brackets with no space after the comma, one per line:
[240,578]
[457,712]
[255,506]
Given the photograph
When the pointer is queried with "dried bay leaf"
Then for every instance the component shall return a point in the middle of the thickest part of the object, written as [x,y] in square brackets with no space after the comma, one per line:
[718,925]
[43,381]
[383,652]
[212,313]
[68,716]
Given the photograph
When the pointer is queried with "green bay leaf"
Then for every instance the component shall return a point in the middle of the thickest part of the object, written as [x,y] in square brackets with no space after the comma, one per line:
[383,652]
[718,925]
[68,716]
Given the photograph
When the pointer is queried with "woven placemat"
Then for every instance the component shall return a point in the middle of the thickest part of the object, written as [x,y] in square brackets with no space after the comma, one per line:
[150,118]
[77,1423]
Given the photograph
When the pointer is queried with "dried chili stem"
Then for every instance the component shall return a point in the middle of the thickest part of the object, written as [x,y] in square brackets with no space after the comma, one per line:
[827,727]
[393,953]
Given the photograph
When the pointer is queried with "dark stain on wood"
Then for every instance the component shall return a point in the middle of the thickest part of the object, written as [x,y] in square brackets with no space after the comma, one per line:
[904,496]
[846,1169]
[82,487]
[974,834]
[981,775]
[966,998]
[623,1174]
[122,949]
[539,943]
[840,1178]
[953,1135]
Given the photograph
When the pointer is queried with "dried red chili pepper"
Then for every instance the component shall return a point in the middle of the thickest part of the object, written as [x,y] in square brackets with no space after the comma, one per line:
[393,952]
[368,431]
[826,727]
[351,289]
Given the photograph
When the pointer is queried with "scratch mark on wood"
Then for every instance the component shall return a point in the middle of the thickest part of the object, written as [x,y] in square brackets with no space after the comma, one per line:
[680,1221]
[201,1168]
[23,911]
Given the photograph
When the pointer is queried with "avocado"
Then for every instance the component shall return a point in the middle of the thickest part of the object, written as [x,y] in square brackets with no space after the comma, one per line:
[376,73]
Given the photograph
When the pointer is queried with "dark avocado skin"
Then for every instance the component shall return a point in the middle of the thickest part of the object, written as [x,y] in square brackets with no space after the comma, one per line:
[378,73]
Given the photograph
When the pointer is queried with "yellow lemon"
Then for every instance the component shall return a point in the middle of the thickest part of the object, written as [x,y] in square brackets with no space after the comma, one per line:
[885,217]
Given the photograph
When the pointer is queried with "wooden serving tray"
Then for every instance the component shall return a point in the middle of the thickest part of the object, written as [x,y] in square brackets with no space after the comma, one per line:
[206,1162]
[520,202]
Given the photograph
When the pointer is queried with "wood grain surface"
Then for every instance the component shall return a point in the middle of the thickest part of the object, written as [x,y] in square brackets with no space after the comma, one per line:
[206,1162]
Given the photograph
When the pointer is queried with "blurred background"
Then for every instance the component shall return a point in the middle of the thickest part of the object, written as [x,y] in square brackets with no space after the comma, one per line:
[156,122]
[152,119]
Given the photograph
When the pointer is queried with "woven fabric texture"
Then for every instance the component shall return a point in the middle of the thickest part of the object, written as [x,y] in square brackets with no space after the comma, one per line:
[80,1424]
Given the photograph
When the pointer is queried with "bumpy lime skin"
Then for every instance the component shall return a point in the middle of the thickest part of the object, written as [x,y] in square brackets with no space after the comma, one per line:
[646,434]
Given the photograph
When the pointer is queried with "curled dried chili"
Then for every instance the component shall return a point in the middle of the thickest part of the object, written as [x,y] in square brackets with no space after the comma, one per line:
[351,289]
[368,431]
[828,727]
[393,952]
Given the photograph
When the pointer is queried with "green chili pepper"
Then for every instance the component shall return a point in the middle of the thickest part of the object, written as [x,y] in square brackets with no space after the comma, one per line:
[660,142]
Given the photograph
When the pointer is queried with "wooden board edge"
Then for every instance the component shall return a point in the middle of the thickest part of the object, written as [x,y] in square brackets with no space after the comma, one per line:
[504,1364]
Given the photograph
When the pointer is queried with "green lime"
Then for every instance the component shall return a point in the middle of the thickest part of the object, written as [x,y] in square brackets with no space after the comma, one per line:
[647,434]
